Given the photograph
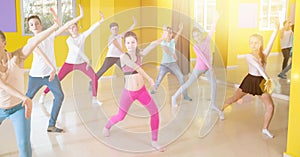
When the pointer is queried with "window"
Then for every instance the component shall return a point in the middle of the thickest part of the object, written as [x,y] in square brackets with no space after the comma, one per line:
[65,11]
[204,11]
[271,11]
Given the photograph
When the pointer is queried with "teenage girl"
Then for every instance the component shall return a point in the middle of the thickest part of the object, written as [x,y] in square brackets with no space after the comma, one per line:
[203,65]
[13,103]
[77,60]
[135,87]
[257,82]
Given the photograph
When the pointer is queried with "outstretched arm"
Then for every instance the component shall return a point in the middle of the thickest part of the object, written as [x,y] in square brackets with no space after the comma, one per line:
[271,41]
[37,39]
[152,45]
[252,61]
[179,32]
[94,26]
[69,23]
[131,27]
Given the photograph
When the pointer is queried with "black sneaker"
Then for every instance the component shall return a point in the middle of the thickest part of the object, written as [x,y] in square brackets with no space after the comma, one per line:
[281,76]
[54,129]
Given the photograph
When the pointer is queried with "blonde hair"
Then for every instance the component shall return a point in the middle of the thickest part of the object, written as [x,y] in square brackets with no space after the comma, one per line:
[262,57]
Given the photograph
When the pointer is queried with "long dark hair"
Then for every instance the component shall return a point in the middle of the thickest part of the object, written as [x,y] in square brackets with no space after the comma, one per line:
[132,34]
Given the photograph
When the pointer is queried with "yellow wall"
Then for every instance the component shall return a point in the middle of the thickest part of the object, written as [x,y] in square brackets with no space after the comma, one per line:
[16,40]
[293,139]
[233,40]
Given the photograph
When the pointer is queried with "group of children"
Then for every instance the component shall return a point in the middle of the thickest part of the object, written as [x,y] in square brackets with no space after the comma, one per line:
[17,106]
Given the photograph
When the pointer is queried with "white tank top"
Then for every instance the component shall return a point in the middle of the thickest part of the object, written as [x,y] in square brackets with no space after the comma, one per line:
[113,51]
[286,41]
[14,76]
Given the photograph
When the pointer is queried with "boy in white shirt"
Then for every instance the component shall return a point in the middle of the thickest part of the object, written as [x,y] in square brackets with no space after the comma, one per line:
[41,73]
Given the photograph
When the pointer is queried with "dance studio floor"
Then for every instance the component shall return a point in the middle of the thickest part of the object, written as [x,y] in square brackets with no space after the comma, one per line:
[190,130]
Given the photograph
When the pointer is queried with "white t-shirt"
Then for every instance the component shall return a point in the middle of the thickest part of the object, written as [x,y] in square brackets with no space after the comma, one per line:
[76,53]
[255,68]
[113,51]
[286,41]
[39,67]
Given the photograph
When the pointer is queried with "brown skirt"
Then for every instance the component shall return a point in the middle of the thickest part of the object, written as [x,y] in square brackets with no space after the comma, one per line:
[253,85]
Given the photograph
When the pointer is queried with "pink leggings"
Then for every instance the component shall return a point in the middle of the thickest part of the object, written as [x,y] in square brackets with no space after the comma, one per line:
[67,68]
[144,98]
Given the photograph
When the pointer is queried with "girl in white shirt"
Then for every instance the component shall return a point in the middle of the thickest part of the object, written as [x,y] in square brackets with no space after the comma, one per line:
[77,60]
[257,82]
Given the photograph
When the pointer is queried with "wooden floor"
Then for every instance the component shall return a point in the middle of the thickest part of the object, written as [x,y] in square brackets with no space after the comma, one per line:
[192,130]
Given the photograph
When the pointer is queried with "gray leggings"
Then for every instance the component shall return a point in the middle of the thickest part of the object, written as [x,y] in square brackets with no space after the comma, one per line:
[174,69]
[195,74]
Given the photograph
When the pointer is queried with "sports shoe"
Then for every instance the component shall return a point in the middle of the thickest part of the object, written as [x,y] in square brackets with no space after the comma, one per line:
[266,132]
[42,99]
[96,101]
[105,132]
[282,76]
[54,129]
[187,98]
[221,113]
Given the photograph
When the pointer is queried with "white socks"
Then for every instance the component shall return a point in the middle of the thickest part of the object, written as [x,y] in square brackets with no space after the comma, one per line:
[174,103]
[96,101]
[266,132]
[157,146]
[221,113]
[105,132]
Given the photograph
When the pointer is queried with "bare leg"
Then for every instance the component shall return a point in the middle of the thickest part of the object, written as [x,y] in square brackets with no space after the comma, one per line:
[268,102]
[237,95]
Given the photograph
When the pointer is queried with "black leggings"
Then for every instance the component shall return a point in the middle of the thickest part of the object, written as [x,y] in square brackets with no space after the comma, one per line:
[286,56]
[108,62]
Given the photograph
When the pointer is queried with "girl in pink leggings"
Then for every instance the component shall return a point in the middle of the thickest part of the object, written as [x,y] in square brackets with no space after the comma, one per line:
[77,60]
[135,87]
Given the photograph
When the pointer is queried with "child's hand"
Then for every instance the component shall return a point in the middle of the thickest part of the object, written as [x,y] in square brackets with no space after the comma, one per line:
[55,18]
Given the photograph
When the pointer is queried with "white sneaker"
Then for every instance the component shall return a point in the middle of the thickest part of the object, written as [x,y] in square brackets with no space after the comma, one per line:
[157,147]
[105,132]
[42,99]
[96,101]
[174,103]
[221,115]
[266,132]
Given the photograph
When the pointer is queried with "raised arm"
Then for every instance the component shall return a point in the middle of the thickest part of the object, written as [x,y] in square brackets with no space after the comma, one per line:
[94,26]
[179,32]
[252,61]
[37,39]
[152,45]
[213,28]
[267,50]
[131,27]
[69,23]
